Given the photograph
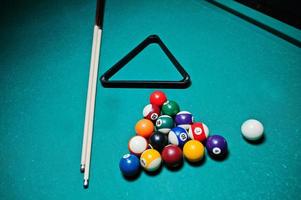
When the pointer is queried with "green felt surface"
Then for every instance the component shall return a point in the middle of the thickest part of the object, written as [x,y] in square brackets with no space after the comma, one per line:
[238,71]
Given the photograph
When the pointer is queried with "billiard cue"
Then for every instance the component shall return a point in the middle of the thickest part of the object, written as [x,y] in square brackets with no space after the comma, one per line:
[90,104]
[88,101]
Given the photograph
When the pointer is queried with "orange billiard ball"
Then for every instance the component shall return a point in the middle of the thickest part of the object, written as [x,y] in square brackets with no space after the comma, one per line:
[144,128]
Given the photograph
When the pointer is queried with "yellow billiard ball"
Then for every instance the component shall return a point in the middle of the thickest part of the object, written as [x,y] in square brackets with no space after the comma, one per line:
[194,151]
[150,160]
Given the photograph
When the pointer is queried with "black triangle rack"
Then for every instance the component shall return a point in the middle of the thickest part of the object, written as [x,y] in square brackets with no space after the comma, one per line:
[105,78]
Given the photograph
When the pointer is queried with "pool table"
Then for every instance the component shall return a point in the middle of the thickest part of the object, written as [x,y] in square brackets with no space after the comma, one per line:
[239,70]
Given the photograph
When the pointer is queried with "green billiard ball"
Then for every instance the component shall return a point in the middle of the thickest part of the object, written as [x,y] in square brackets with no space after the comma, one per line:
[164,124]
[170,108]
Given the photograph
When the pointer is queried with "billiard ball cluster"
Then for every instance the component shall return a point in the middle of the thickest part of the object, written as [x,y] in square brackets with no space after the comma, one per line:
[166,134]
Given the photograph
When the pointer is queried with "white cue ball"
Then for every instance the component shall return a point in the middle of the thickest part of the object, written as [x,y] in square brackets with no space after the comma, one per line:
[252,129]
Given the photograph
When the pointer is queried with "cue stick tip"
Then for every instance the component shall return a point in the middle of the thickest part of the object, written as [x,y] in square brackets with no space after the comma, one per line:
[82,168]
[86,183]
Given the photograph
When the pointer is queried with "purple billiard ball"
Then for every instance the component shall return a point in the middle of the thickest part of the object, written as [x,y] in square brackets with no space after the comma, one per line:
[216,146]
[184,119]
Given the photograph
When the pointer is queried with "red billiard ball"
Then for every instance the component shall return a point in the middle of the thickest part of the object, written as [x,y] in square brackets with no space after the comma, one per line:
[151,112]
[198,131]
[157,98]
[172,155]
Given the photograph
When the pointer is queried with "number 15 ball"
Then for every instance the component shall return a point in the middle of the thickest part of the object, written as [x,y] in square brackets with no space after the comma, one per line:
[151,112]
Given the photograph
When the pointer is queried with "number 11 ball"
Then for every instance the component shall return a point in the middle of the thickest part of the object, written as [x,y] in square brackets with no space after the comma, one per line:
[198,131]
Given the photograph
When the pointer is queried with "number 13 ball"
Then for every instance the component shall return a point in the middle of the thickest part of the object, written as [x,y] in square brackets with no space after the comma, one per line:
[198,131]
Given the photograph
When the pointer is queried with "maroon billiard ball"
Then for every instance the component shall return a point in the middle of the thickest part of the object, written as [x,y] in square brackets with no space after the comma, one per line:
[151,112]
[172,155]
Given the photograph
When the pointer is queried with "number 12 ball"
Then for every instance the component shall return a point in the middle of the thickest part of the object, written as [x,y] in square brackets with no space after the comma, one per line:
[184,119]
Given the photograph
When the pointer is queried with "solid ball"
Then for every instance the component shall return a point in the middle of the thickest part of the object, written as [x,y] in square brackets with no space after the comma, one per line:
[193,151]
[158,140]
[137,145]
[252,129]
[157,98]
[151,112]
[172,155]
[178,136]
[164,123]
[150,160]
[129,165]
[198,131]
[144,128]
[184,119]
[216,146]
[170,108]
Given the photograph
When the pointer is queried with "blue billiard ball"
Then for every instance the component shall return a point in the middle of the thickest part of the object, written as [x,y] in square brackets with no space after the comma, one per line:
[129,165]
[178,136]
